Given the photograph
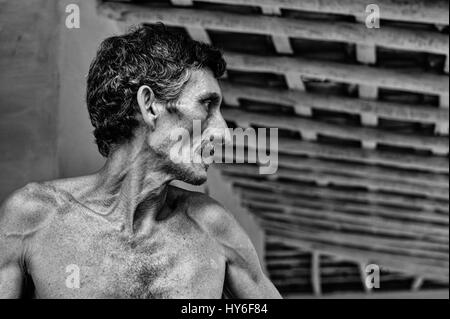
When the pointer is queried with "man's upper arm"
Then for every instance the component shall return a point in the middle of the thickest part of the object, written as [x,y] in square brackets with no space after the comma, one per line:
[244,275]
[16,217]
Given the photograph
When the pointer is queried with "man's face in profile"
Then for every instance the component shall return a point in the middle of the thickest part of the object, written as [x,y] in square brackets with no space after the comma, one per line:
[198,104]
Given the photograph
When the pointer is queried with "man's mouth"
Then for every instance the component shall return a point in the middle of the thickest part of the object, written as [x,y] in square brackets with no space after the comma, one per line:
[207,154]
[207,148]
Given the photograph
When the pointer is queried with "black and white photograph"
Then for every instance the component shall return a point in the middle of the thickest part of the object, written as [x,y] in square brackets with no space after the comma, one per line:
[224,150]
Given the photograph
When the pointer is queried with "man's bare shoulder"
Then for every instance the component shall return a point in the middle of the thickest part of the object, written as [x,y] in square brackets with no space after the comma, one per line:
[213,218]
[208,213]
[27,209]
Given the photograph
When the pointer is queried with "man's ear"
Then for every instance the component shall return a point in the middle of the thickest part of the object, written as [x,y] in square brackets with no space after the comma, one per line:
[146,101]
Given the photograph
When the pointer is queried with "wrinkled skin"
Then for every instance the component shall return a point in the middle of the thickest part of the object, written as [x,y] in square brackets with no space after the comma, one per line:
[128,231]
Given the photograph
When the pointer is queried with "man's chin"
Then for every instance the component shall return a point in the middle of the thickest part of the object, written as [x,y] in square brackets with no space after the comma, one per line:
[197,176]
[196,181]
[194,174]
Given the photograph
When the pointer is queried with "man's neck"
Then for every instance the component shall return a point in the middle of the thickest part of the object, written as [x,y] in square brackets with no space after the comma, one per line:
[134,184]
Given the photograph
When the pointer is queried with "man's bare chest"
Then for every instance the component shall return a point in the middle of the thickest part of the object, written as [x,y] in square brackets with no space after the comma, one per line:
[85,257]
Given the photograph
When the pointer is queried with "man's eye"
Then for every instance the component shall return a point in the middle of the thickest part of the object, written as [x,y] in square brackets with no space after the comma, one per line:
[207,104]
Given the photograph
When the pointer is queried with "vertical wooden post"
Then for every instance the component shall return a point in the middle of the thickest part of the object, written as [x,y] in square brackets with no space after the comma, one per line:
[283,46]
[440,27]
[417,284]
[198,34]
[362,273]
[367,54]
[443,127]
[315,273]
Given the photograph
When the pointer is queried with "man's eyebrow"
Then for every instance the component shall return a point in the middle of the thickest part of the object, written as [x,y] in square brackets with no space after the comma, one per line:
[210,96]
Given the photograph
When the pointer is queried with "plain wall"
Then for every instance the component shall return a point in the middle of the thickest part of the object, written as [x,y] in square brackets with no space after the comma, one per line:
[28,93]
[77,152]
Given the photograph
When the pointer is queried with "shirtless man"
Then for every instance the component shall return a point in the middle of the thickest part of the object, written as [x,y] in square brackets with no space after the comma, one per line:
[128,232]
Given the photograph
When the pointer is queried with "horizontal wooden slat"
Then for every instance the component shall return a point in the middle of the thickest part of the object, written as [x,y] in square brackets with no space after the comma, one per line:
[372,244]
[350,223]
[303,125]
[413,81]
[363,196]
[322,178]
[437,293]
[337,279]
[435,251]
[419,218]
[282,283]
[438,253]
[300,100]
[284,254]
[396,176]
[417,11]
[397,38]
[280,274]
[410,248]
[297,262]
[424,163]
[412,228]
[324,271]
[365,241]
[412,265]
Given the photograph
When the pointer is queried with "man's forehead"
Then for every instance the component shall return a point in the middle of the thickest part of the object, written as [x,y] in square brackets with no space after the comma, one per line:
[204,82]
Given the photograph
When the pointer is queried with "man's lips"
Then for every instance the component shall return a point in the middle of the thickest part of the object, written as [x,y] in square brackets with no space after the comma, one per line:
[208,149]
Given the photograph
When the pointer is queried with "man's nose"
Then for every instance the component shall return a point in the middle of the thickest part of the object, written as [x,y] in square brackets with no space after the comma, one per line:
[221,131]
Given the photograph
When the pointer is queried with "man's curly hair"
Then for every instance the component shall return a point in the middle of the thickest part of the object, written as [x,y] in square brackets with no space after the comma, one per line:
[148,55]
